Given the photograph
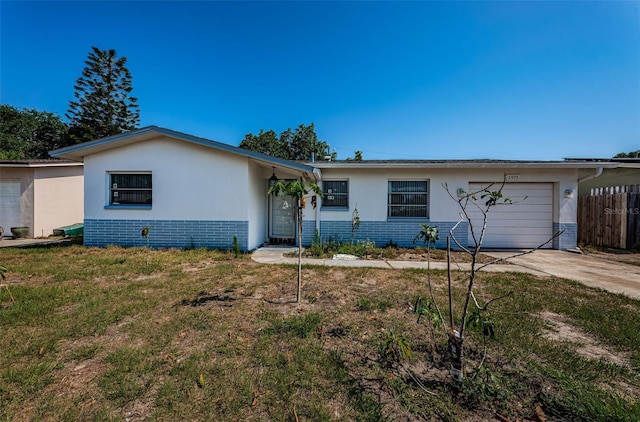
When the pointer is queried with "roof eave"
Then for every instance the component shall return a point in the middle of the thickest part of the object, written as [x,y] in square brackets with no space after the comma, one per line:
[78,152]
[28,164]
[458,164]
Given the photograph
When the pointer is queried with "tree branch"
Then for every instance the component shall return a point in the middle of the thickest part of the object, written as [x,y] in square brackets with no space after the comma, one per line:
[486,305]
[454,238]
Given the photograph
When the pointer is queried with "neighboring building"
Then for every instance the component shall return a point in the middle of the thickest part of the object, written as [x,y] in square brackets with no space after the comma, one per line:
[626,172]
[41,195]
[195,192]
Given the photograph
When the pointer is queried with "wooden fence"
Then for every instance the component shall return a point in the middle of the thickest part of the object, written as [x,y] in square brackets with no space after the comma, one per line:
[610,217]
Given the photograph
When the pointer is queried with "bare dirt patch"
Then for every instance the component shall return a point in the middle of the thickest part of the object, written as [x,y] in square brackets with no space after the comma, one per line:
[587,345]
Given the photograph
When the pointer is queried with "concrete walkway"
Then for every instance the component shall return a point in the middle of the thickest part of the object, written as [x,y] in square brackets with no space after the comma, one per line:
[25,243]
[591,271]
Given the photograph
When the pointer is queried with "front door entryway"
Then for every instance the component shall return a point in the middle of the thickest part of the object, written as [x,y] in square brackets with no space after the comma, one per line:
[282,219]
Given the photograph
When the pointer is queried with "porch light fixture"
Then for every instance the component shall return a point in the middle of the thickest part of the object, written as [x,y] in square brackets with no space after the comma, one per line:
[568,193]
[273,179]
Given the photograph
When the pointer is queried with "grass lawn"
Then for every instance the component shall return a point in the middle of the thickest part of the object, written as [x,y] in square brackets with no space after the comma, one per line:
[132,334]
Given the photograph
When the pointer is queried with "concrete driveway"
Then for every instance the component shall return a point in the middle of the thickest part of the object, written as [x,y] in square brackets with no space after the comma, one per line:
[590,270]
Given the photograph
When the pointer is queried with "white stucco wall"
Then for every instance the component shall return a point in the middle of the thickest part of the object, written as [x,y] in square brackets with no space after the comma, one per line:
[368,189]
[257,198]
[190,182]
[58,198]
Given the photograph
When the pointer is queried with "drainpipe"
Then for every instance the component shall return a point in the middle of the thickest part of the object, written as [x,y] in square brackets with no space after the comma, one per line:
[598,172]
[586,178]
[318,176]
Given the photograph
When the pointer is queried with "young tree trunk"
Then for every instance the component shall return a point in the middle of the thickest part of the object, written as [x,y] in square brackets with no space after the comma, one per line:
[454,338]
[298,294]
[456,351]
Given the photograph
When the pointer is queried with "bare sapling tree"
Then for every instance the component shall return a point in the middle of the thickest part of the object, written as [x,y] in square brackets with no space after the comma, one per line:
[3,270]
[145,233]
[429,236]
[298,190]
[483,201]
[355,223]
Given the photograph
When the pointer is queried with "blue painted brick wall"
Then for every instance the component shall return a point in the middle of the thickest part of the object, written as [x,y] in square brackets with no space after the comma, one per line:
[382,232]
[167,233]
[308,232]
[568,239]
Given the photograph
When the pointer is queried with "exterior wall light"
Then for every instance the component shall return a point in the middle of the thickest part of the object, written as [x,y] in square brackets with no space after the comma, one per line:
[461,192]
[273,179]
[568,193]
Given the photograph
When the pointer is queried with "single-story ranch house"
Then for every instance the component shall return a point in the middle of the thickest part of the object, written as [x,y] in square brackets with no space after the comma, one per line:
[196,192]
[41,195]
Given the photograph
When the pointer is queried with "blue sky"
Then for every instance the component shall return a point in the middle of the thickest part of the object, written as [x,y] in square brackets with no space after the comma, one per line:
[397,80]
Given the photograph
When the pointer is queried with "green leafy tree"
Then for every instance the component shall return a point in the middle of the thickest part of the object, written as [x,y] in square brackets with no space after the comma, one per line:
[632,154]
[103,104]
[265,142]
[357,156]
[299,144]
[298,190]
[29,133]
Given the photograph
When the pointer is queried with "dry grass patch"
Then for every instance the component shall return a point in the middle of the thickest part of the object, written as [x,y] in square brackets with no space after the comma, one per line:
[131,334]
[631,257]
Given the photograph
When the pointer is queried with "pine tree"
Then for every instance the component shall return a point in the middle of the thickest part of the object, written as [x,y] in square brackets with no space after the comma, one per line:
[103,103]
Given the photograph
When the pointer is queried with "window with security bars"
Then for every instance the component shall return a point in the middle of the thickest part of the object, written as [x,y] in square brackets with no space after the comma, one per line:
[408,199]
[130,189]
[335,193]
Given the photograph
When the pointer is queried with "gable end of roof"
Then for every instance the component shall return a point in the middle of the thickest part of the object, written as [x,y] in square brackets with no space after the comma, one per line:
[79,151]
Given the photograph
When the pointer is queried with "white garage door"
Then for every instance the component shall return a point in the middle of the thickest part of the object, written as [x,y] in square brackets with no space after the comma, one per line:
[9,205]
[525,223]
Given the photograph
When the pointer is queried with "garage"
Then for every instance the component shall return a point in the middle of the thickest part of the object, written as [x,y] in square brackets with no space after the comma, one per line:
[9,204]
[525,223]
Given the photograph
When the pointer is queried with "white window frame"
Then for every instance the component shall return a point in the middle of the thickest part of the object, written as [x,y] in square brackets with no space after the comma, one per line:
[113,190]
[391,206]
[326,194]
